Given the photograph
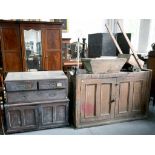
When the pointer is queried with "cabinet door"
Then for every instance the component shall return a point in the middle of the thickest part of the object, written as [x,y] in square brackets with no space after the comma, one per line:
[123,96]
[21,118]
[97,99]
[11,49]
[140,95]
[132,95]
[53,115]
[52,48]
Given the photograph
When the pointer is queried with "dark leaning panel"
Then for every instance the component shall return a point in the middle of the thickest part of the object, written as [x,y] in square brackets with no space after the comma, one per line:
[36,100]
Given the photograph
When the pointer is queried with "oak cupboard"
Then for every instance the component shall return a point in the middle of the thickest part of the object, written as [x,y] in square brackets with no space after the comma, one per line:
[27,45]
[106,98]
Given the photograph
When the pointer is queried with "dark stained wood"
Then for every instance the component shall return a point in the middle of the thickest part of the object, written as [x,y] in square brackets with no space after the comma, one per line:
[52,48]
[13,46]
[11,49]
[106,98]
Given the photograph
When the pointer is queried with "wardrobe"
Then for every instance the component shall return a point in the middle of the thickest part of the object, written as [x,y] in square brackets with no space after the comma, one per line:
[30,45]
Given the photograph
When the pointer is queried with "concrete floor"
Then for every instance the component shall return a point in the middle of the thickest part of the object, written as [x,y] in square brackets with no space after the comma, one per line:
[138,127]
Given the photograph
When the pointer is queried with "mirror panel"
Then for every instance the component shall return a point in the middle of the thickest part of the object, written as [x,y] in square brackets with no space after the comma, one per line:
[33,50]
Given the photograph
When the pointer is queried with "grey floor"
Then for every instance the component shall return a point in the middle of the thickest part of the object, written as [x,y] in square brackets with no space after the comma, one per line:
[138,127]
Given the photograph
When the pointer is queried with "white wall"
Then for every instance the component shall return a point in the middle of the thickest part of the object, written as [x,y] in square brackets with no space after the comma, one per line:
[80,28]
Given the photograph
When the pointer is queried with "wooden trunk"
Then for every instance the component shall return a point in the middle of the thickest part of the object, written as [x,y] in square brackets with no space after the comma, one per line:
[106,98]
[36,100]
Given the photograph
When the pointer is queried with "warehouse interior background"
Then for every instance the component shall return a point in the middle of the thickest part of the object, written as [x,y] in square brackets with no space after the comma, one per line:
[81,22]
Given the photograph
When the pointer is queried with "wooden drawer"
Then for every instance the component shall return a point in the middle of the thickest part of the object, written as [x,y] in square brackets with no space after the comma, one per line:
[32,96]
[21,85]
[30,116]
[53,84]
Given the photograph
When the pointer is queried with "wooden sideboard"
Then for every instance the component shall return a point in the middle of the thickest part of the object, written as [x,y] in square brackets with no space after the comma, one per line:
[36,100]
[106,98]
[13,44]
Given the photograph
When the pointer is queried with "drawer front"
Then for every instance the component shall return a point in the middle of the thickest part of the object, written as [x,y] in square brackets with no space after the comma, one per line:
[21,85]
[32,96]
[53,84]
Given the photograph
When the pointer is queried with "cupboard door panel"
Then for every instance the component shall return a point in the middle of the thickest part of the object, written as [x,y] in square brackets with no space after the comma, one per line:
[137,95]
[90,101]
[61,113]
[11,47]
[107,99]
[47,115]
[97,99]
[20,118]
[12,62]
[124,97]
[140,97]
[52,48]
[53,114]
[54,60]
[53,39]
[11,39]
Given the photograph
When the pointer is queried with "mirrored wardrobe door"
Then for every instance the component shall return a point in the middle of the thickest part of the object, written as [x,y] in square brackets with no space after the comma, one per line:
[33,49]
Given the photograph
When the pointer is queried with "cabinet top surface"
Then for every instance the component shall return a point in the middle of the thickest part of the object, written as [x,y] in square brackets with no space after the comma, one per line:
[40,75]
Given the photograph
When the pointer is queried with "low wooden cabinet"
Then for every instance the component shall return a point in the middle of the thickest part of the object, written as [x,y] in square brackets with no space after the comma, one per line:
[36,100]
[105,98]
